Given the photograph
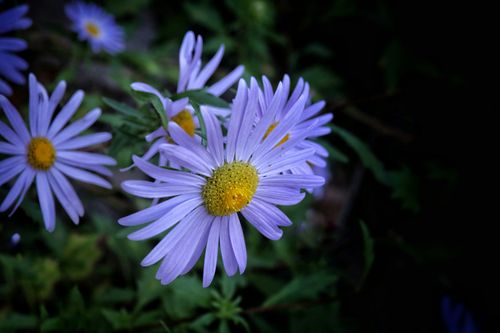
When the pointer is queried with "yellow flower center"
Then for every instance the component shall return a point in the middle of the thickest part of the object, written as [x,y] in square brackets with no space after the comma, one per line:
[41,153]
[230,188]
[93,29]
[270,129]
[185,120]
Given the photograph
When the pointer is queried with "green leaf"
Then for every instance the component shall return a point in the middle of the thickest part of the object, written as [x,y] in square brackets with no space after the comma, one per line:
[206,15]
[367,157]
[18,321]
[158,107]
[80,255]
[333,152]
[148,289]
[118,319]
[184,296]
[121,107]
[117,295]
[201,97]
[202,321]
[203,127]
[305,287]
[368,253]
[405,188]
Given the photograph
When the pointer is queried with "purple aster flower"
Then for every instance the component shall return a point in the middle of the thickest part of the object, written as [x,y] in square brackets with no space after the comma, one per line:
[11,65]
[319,192]
[308,119]
[243,173]
[191,77]
[457,318]
[15,239]
[99,28]
[47,154]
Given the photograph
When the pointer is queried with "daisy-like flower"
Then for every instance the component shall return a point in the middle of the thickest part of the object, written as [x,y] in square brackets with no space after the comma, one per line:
[47,154]
[244,173]
[94,25]
[11,65]
[191,77]
[308,119]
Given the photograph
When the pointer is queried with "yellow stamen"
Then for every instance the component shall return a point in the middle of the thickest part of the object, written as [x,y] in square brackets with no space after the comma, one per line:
[270,129]
[41,153]
[230,188]
[185,120]
[93,29]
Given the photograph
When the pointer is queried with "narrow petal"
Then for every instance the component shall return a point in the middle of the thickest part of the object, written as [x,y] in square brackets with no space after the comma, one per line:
[46,201]
[173,216]
[173,237]
[34,102]
[214,136]
[224,84]
[151,213]
[286,162]
[179,259]
[63,200]
[84,141]
[15,119]
[202,243]
[293,181]
[55,98]
[146,88]
[312,110]
[145,189]
[43,111]
[183,139]
[9,149]
[88,158]
[256,217]
[226,249]
[82,175]
[238,242]
[66,113]
[185,158]
[68,190]
[272,212]
[159,132]
[209,68]
[14,192]
[91,167]
[211,253]
[29,177]
[9,162]
[279,195]
[247,122]
[11,173]
[8,134]
[77,127]
[168,176]
[235,120]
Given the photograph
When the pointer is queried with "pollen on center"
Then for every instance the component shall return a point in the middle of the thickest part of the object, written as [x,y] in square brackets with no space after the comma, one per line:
[270,129]
[41,154]
[230,188]
[93,29]
[185,120]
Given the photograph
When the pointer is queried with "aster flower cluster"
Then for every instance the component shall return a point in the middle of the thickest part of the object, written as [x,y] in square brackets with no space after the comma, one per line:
[218,165]
[215,181]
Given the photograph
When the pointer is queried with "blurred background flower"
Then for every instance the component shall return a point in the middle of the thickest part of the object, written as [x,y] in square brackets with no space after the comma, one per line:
[94,25]
[11,64]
